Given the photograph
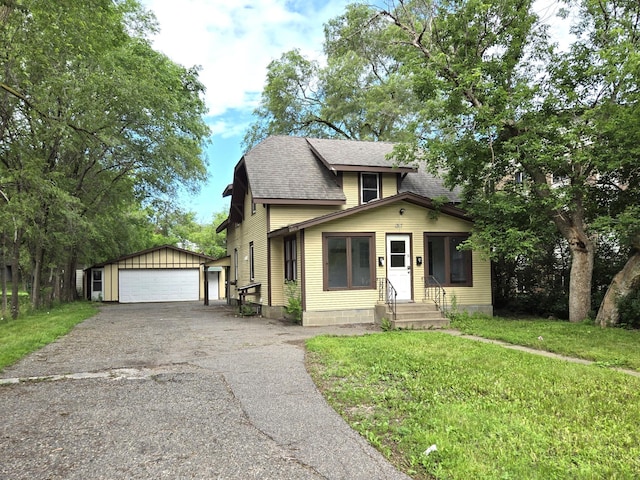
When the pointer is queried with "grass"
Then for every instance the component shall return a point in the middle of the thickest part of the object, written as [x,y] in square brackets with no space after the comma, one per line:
[37,329]
[491,412]
[615,347]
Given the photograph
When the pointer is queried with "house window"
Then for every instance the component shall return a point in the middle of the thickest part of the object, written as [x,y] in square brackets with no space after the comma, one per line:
[235,265]
[290,259]
[369,187]
[348,261]
[446,262]
[252,272]
[97,280]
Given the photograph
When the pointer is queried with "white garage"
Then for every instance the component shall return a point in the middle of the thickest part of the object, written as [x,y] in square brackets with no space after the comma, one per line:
[176,285]
[160,274]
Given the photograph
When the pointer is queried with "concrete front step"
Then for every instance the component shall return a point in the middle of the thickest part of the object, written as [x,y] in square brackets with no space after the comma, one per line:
[420,324]
[413,316]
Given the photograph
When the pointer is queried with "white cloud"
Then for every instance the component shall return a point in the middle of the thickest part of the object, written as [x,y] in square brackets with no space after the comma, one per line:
[235,41]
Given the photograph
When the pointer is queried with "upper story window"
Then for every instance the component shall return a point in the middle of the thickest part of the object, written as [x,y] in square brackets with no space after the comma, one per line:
[369,187]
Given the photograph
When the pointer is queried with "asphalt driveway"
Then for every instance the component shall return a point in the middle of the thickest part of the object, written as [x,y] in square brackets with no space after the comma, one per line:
[177,391]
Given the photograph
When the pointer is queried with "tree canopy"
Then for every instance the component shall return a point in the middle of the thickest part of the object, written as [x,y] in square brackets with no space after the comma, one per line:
[93,123]
[359,93]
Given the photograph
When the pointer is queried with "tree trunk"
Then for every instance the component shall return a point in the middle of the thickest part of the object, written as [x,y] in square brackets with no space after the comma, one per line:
[69,292]
[580,281]
[36,302]
[625,281]
[15,275]
[3,276]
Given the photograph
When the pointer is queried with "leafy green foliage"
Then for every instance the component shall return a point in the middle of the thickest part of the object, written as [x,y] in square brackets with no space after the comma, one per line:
[293,308]
[359,94]
[490,411]
[629,309]
[93,124]
[499,100]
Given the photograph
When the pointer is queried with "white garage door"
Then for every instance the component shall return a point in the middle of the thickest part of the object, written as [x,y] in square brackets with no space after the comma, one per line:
[179,285]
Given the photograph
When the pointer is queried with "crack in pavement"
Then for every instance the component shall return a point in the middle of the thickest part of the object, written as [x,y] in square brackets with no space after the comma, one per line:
[125,373]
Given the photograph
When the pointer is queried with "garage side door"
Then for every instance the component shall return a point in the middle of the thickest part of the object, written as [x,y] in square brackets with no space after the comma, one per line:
[179,285]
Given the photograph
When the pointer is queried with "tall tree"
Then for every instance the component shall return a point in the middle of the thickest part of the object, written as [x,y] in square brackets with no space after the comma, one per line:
[93,118]
[358,94]
[499,99]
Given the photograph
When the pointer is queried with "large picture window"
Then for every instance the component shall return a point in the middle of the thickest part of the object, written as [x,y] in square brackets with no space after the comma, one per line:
[446,262]
[369,187]
[348,261]
[290,259]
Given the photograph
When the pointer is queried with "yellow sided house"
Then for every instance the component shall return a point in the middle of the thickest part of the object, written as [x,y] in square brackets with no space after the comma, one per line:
[335,225]
[160,274]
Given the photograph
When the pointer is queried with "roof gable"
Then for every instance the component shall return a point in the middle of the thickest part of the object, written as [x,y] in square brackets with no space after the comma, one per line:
[155,249]
[352,155]
[285,168]
[401,197]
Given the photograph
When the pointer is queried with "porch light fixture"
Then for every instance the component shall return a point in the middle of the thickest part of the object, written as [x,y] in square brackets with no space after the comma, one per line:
[418,261]
[402,211]
[381,261]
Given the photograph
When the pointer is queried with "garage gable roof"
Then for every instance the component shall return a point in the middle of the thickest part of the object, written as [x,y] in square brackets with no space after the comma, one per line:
[202,256]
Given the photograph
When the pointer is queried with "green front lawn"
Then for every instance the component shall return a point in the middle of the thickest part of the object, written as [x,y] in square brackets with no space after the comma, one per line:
[491,412]
[607,346]
[35,330]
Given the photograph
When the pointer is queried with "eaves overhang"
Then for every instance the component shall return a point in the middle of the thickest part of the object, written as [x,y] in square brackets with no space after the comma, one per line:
[223,226]
[401,197]
[299,201]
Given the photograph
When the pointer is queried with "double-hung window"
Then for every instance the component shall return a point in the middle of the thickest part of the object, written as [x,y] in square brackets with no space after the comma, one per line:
[348,261]
[252,263]
[446,262]
[369,187]
[290,259]
[235,265]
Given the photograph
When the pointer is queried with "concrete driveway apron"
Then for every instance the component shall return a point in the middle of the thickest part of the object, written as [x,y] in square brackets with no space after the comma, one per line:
[177,391]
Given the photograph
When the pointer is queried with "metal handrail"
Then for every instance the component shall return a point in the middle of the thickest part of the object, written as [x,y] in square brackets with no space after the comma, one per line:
[387,294]
[436,292]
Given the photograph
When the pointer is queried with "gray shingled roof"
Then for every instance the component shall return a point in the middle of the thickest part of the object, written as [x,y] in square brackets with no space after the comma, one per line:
[336,153]
[427,185]
[285,168]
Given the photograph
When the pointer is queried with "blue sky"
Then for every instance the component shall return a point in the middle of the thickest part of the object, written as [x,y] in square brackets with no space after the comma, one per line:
[233,42]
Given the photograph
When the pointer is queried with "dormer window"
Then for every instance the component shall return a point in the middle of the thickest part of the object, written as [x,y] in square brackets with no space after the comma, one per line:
[369,187]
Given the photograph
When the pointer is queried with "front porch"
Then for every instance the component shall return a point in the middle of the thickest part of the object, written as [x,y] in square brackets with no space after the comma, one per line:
[430,313]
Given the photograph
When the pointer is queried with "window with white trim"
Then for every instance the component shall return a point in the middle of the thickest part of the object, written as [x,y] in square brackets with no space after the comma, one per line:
[369,187]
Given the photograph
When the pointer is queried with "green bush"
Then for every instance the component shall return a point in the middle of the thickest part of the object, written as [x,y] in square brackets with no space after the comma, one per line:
[629,309]
[294,301]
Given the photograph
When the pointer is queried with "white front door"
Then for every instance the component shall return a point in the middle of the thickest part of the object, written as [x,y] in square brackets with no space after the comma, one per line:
[399,264]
